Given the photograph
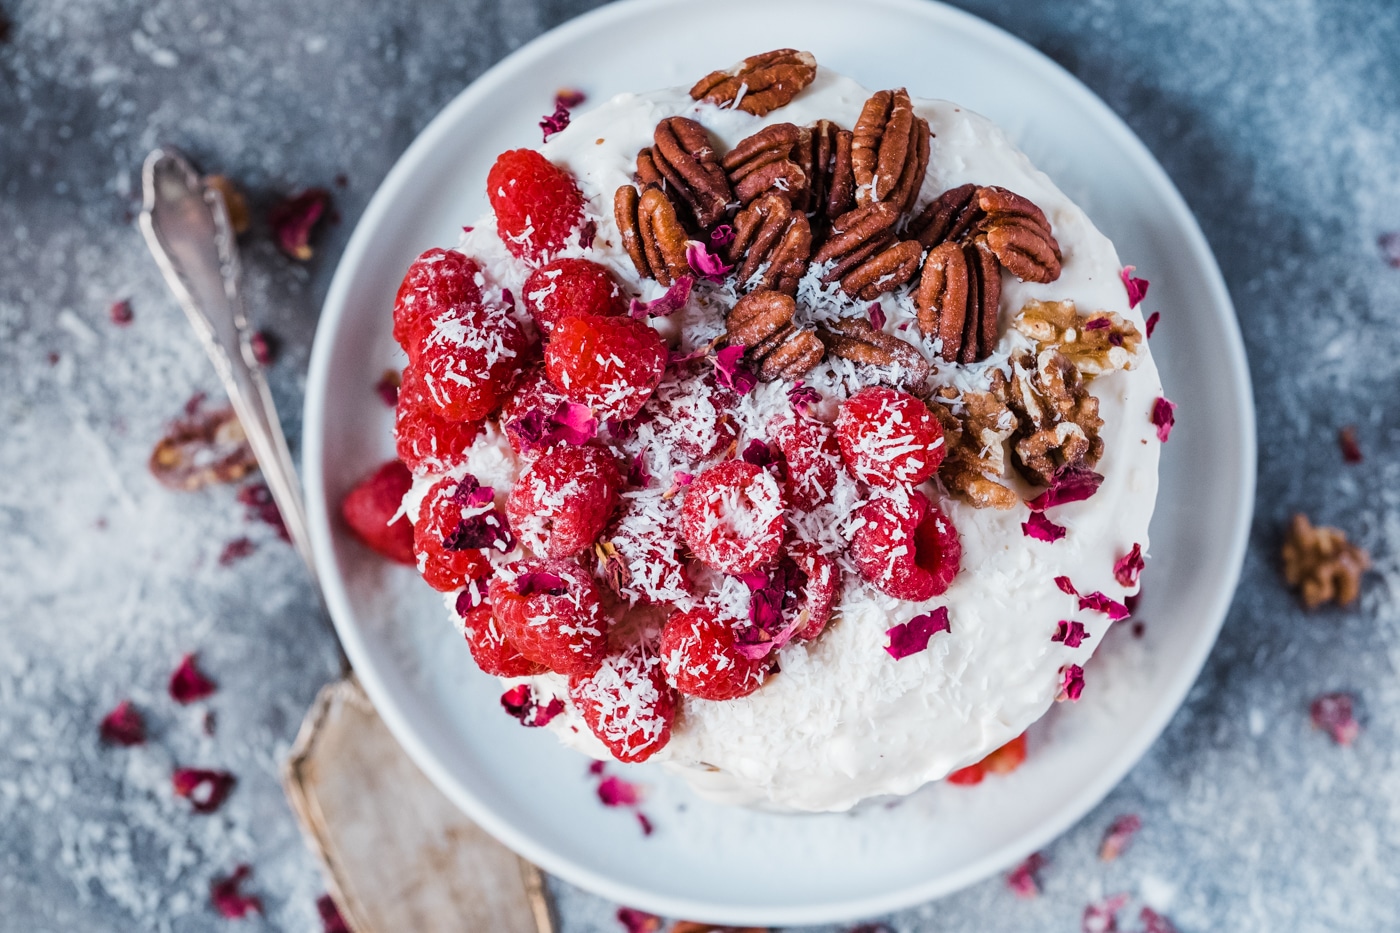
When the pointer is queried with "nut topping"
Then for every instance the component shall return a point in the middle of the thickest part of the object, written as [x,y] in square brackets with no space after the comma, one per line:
[683,164]
[947,217]
[1059,418]
[832,180]
[1098,343]
[958,300]
[889,150]
[772,242]
[761,322]
[857,340]
[856,236]
[651,233]
[976,461]
[1322,564]
[759,84]
[884,272]
[765,162]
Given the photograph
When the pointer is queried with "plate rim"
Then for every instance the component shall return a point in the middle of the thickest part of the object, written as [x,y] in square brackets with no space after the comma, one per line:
[337,598]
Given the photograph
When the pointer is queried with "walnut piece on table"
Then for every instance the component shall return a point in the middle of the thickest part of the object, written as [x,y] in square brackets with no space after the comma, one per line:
[1322,564]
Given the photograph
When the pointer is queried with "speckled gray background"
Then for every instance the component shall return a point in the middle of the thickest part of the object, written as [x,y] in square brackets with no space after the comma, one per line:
[1280,123]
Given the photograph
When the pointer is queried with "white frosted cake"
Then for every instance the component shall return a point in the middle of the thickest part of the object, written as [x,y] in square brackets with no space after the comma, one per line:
[800,438]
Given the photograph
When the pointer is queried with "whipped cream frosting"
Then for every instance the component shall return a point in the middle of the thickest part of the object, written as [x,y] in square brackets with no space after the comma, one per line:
[845,721]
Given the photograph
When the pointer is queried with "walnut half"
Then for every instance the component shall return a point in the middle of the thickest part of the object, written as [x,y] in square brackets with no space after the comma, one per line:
[1322,564]
[1097,343]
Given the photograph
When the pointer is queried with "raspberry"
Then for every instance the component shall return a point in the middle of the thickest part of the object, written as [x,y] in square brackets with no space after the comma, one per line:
[732,517]
[551,612]
[533,392]
[440,283]
[563,499]
[451,508]
[819,589]
[889,438]
[425,441]
[375,500]
[693,415]
[537,204]
[813,461]
[571,286]
[470,362]
[646,566]
[491,650]
[905,546]
[627,704]
[698,656]
[610,364]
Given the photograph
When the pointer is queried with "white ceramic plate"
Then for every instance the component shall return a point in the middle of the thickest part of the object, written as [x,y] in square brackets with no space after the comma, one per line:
[728,865]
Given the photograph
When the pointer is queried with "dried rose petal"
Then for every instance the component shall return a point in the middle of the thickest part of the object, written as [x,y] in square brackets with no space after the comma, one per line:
[519,701]
[1334,713]
[293,219]
[120,313]
[731,373]
[757,453]
[261,507]
[556,121]
[472,595]
[1098,323]
[205,789]
[774,594]
[264,347]
[803,398]
[613,791]
[1119,836]
[1101,603]
[1022,880]
[568,423]
[477,532]
[331,920]
[1071,633]
[721,236]
[913,636]
[188,683]
[1137,288]
[638,474]
[587,233]
[1390,247]
[124,725]
[1069,484]
[705,263]
[876,313]
[1129,566]
[1163,416]
[668,304]
[1066,586]
[228,900]
[1071,682]
[539,581]
[1102,916]
[596,767]
[638,921]
[1151,324]
[1351,450]
[387,388]
[236,550]
[647,828]
[1039,527]
[1153,922]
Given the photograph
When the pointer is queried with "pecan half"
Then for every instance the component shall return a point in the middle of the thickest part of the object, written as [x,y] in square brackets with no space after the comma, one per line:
[889,150]
[771,246]
[857,340]
[947,217]
[1058,418]
[1019,233]
[765,162]
[884,271]
[958,300]
[856,236]
[760,83]
[833,180]
[651,233]
[684,165]
[761,322]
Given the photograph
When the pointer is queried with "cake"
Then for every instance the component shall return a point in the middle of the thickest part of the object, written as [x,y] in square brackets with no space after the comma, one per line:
[800,438]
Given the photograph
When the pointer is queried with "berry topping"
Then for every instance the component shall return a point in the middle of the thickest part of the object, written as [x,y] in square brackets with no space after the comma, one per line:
[732,517]
[440,284]
[571,286]
[698,655]
[469,363]
[456,522]
[370,508]
[537,204]
[693,415]
[642,560]
[889,438]
[563,500]
[425,441]
[491,650]
[628,704]
[813,461]
[819,589]
[610,364]
[905,546]
[550,611]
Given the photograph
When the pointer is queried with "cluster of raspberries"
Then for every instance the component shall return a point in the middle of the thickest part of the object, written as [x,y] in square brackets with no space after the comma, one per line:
[595,364]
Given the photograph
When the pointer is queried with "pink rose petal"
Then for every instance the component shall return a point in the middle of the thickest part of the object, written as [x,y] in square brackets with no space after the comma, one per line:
[1039,527]
[120,313]
[1023,880]
[1066,586]
[1071,683]
[731,373]
[668,304]
[876,312]
[387,388]
[293,220]
[1069,484]
[647,828]
[757,453]
[539,581]
[1137,288]
[613,791]
[1153,922]
[1101,603]
[188,683]
[331,920]
[1351,449]
[1390,248]
[587,233]
[1164,417]
[638,921]
[1098,323]
[1334,713]
[721,236]
[913,636]
[803,398]
[1119,836]
[1102,916]
[1128,568]
[519,701]
[705,263]
[264,347]
[1152,320]
[229,900]
[569,423]
[555,122]
[236,550]
[1071,633]
[124,725]
[596,767]
[205,789]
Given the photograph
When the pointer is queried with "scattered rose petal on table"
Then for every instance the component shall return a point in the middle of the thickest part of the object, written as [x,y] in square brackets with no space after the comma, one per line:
[1351,448]
[1334,713]
[1023,880]
[188,682]
[206,790]
[1119,836]
[124,725]
[228,898]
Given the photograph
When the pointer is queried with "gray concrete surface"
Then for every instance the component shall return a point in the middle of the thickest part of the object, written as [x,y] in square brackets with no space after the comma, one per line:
[1281,124]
